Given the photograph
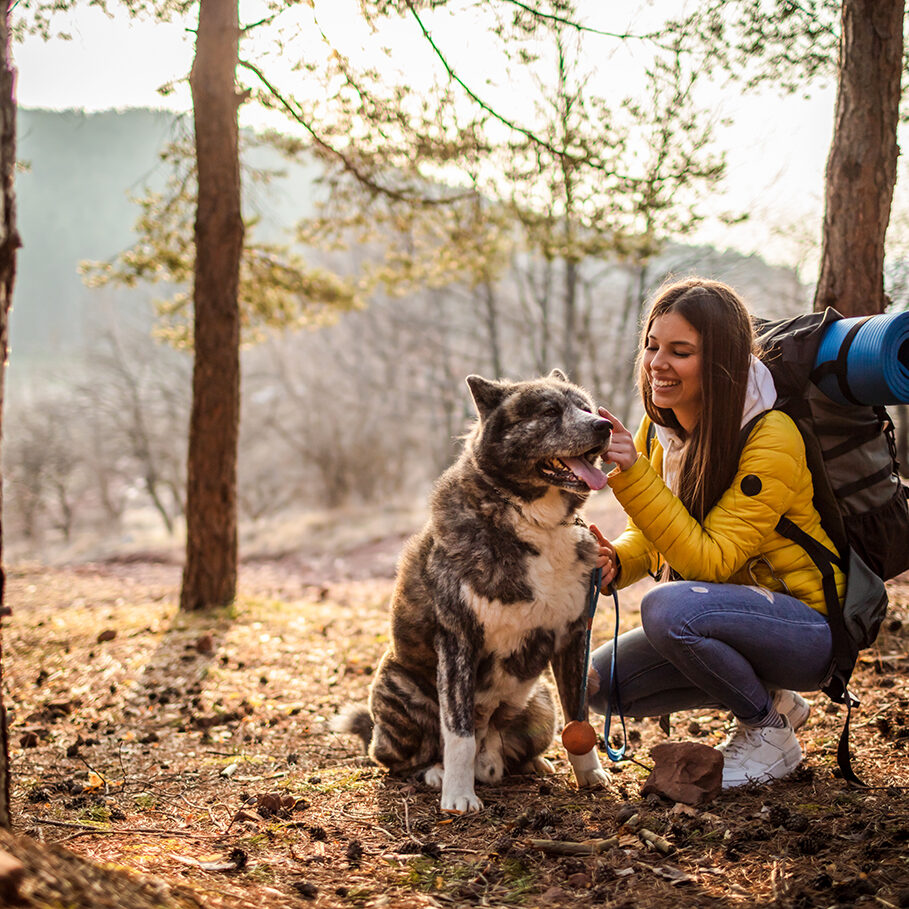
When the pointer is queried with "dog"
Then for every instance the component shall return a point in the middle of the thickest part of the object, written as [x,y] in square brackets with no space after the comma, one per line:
[490,594]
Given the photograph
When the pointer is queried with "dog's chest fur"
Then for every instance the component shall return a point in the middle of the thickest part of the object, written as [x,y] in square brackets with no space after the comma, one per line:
[557,581]
[520,636]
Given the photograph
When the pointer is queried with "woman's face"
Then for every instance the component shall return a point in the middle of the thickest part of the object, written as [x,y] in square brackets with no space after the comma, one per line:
[672,361]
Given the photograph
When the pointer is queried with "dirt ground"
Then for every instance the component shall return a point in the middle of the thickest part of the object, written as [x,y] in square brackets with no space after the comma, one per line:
[170,760]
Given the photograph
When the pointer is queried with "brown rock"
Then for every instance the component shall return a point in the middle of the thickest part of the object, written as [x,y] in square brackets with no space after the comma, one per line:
[685,772]
[107,635]
[205,644]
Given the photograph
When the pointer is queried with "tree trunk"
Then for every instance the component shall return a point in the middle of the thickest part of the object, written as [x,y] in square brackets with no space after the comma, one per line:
[210,574]
[492,327]
[9,243]
[861,167]
[569,345]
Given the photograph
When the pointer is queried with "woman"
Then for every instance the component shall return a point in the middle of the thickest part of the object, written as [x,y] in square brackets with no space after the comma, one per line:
[739,621]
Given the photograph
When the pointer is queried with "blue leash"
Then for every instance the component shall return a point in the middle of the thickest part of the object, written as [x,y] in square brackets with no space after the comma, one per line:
[593,594]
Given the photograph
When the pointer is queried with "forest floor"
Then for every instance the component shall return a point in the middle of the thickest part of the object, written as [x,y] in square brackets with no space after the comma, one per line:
[164,759]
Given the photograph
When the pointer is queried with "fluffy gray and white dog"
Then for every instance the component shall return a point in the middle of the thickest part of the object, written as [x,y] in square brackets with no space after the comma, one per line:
[489,594]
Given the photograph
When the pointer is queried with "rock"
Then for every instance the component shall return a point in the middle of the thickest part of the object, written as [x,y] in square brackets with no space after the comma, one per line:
[107,635]
[685,772]
[205,644]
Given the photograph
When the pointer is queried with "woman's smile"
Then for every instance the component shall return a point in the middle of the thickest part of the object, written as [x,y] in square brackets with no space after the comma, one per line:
[672,362]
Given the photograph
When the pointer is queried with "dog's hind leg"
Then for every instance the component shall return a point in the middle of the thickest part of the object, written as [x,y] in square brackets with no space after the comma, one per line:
[528,732]
[489,766]
[433,776]
[405,734]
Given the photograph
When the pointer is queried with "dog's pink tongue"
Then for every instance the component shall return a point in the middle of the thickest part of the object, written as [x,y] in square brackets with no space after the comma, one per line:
[584,470]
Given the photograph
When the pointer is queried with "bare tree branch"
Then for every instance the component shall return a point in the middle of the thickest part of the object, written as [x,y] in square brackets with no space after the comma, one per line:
[349,165]
[577,26]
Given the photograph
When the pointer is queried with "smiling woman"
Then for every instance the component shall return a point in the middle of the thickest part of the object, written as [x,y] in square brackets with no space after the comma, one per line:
[672,361]
[702,509]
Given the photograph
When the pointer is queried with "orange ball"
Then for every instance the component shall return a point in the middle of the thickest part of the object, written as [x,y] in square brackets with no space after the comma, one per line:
[579,737]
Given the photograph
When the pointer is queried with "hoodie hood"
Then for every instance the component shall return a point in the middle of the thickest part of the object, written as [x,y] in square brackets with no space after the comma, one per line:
[760,395]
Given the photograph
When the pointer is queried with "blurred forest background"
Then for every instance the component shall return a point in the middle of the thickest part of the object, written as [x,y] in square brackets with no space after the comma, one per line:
[364,409]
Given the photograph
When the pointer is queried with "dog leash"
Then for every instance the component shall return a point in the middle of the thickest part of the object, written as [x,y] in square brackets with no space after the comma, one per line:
[593,595]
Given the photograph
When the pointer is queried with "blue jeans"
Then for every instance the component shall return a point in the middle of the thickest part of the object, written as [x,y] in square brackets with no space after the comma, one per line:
[714,645]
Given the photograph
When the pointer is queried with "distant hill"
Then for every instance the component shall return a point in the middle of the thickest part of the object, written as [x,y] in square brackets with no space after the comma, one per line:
[72,189]
[78,172]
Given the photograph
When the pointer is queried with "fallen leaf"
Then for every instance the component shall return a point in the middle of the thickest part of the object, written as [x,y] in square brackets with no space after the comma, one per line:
[673,874]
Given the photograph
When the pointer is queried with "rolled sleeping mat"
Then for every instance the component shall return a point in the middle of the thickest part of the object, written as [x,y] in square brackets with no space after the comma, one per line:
[865,360]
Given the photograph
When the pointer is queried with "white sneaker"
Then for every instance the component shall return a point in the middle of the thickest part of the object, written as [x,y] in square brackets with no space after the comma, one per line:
[759,754]
[791,705]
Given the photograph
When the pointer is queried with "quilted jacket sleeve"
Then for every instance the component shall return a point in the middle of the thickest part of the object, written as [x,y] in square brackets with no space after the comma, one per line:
[636,555]
[746,514]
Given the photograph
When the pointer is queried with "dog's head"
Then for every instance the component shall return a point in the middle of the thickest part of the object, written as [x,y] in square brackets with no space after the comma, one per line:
[536,434]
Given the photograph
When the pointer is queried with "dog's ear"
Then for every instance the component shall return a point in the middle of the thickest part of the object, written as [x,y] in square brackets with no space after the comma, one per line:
[486,395]
[558,374]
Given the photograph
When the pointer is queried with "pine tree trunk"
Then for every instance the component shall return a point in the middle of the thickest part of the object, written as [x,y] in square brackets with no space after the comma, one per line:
[9,243]
[210,574]
[861,167]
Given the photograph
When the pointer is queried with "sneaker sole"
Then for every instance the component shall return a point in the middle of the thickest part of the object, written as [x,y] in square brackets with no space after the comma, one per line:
[788,761]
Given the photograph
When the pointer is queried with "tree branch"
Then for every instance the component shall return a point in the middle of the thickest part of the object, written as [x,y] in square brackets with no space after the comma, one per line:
[349,165]
[476,98]
[577,26]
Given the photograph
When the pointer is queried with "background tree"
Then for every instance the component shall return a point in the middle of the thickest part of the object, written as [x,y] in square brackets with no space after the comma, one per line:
[210,571]
[9,243]
[861,168]
[794,46]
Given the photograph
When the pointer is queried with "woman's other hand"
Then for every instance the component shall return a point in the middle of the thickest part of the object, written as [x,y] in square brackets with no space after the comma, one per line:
[606,557]
[621,449]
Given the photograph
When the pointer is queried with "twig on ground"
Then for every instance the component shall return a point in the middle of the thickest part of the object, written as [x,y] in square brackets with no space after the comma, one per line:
[563,847]
[126,831]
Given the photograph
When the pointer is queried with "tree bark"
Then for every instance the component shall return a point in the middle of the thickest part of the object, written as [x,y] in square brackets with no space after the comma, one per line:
[210,573]
[861,167]
[9,243]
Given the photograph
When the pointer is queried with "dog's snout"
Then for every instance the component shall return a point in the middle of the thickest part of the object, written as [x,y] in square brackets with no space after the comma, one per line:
[603,425]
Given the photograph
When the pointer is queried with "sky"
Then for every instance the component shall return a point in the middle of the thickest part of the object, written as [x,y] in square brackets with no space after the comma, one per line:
[776,146]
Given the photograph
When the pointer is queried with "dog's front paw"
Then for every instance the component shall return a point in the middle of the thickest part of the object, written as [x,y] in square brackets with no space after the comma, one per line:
[591,779]
[460,802]
[588,770]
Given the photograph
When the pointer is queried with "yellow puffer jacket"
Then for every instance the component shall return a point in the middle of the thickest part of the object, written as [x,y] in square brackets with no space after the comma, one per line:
[737,542]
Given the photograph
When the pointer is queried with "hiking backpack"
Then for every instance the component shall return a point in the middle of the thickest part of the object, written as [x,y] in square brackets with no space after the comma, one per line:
[851,453]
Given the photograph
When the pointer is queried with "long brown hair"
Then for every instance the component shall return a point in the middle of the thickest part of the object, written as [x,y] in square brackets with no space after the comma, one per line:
[719,316]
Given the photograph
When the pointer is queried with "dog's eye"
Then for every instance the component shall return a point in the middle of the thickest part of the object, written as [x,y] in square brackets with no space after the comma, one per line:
[550,410]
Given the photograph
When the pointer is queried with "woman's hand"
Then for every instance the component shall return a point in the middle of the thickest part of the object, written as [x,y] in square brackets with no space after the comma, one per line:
[606,557]
[621,449]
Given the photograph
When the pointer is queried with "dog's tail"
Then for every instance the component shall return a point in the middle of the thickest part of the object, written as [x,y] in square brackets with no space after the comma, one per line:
[354,719]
